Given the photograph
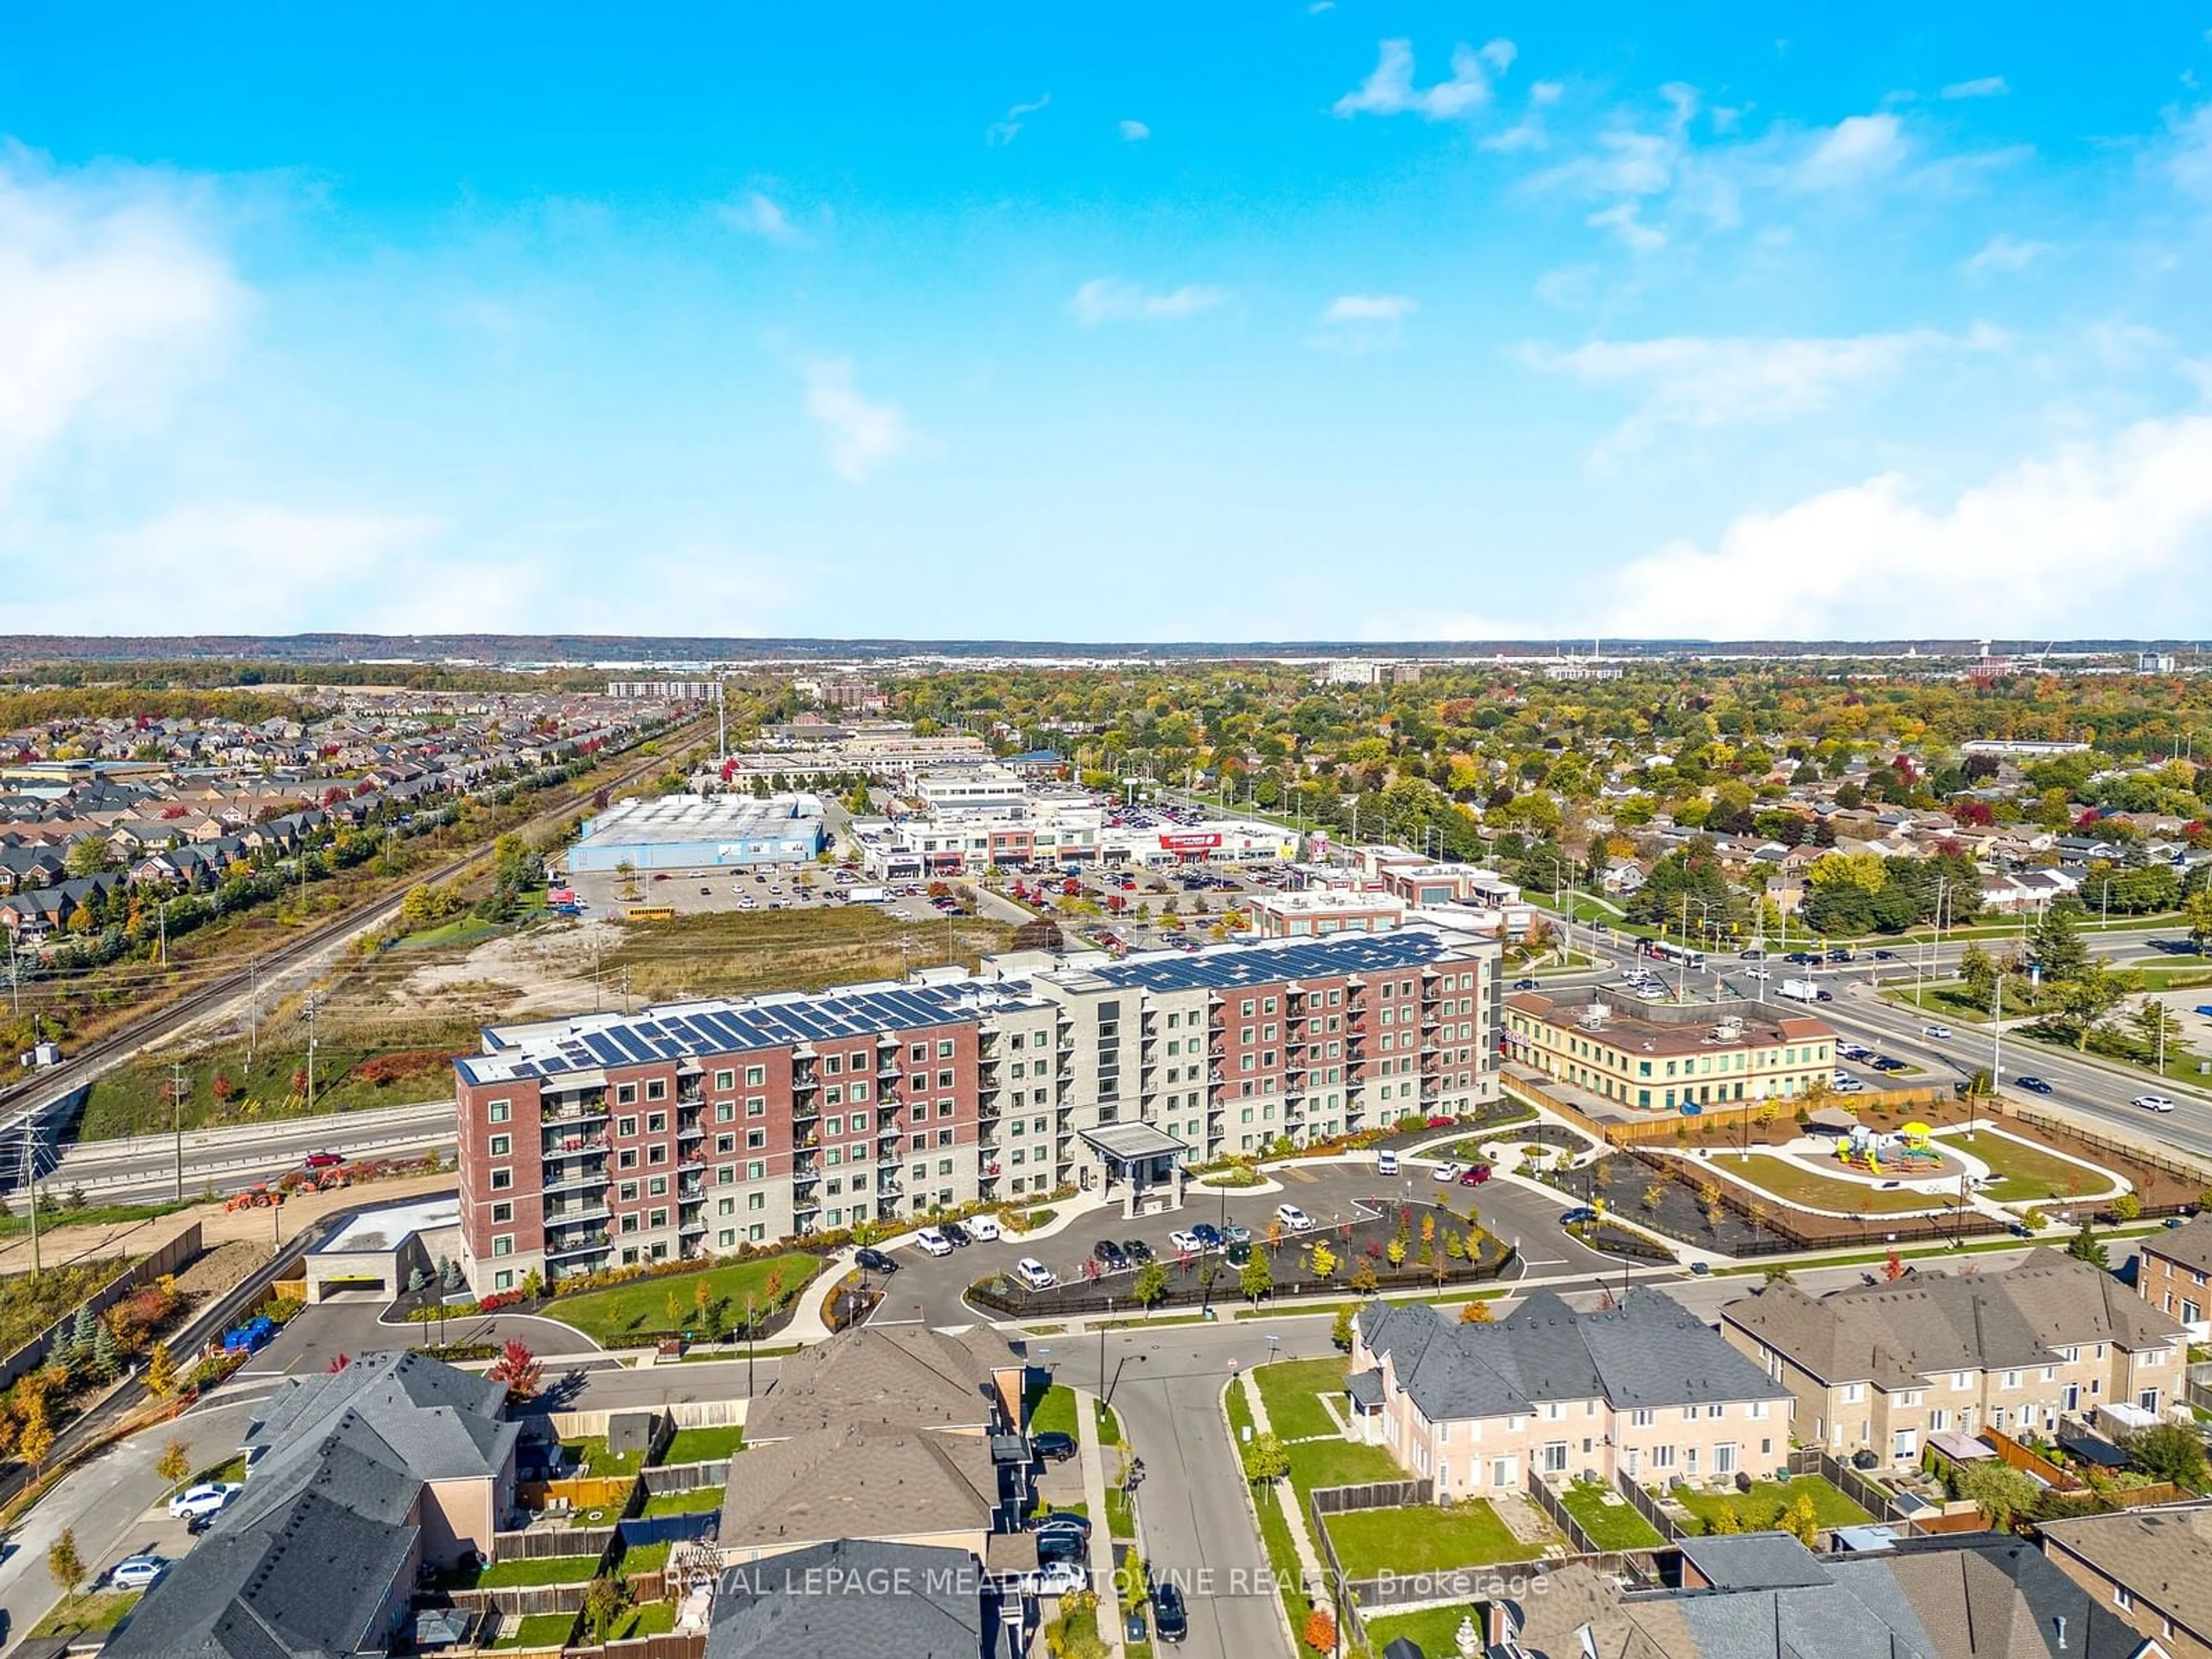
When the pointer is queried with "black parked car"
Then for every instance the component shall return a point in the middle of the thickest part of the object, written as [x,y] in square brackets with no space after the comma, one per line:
[874,1260]
[1053,1447]
[1170,1619]
[1110,1256]
[1137,1250]
[956,1235]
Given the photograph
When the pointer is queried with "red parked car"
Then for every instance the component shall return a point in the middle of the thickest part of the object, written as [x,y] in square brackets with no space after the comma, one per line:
[1475,1175]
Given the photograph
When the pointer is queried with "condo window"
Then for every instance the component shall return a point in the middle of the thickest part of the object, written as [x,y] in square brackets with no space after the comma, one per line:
[502,1180]
[756,1077]
[502,1213]
[502,1145]
[656,1088]
[725,1079]
[497,1111]
[625,1093]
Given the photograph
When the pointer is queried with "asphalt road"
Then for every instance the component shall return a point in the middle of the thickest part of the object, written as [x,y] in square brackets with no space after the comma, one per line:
[240,1154]
[931,1289]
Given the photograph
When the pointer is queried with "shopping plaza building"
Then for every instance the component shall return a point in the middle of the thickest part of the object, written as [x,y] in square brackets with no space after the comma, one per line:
[606,1139]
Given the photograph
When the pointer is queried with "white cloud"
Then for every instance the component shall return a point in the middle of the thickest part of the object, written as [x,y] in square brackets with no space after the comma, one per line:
[1134,132]
[1854,151]
[1625,220]
[1370,308]
[1571,288]
[1697,383]
[1989,86]
[862,435]
[1006,131]
[114,299]
[1110,300]
[1390,89]
[759,214]
[2002,253]
[2189,162]
[1545,93]
[2092,539]
[1317,7]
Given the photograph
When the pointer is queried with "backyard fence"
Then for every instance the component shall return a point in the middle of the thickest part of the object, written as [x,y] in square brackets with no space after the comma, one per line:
[1874,1498]
[2199,1387]
[1539,1491]
[658,1647]
[538,1543]
[1514,1583]
[642,1529]
[686,1477]
[1372,1495]
[523,1598]
[1646,1506]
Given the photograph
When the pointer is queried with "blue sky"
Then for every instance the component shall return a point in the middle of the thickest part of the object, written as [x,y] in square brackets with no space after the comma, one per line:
[1356,320]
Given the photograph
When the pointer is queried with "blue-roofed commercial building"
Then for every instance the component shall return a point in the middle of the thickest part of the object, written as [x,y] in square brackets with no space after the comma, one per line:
[606,1139]
[684,832]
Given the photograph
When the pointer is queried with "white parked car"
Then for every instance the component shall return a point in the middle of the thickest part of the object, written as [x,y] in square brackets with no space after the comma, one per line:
[137,1572]
[1185,1241]
[1386,1163]
[1056,1578]
[1034,1274]
[2153,1102]
[983,1229]
[930,1241]
[207,1498]
[1446,1170]
[1293,1218]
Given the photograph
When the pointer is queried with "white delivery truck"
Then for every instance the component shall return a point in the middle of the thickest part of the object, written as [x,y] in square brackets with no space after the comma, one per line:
[1800,990]
[867,895]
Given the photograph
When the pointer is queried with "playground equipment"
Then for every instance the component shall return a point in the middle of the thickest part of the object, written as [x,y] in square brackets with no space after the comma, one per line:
[1909,1151]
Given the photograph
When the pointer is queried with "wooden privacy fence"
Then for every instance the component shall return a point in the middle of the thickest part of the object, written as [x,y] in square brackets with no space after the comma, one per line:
[1371,1495]
[1545,1500]
[686,1477]
[582,1493]
[657,1647]
[2011,1453]
[1646,1506]
[524,1599]
[1874,1498]
[541,1543]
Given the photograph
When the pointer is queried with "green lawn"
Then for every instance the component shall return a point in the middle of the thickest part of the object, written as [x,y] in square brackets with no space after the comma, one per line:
[537,1630]
[1110,1426]
[538,1570]
[1423,1538]
[1762,1507]
[1052,1412]
[1612,1525]
[651,1619]
[2024,1173]
[705,1445]
[95,1610]
[645,1557]
[671,1302]
[1794,1184]
[1119,1521]
[1434,1630]
[595,1461]
[1293,1389]
[697,1501]
[1338,1463]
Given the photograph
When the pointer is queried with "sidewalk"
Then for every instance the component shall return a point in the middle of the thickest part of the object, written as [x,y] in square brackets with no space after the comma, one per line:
[1293,1514]
[1102,1533]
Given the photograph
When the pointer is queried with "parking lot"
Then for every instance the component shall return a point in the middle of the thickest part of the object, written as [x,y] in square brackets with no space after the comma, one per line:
[728,887]
[931,1289]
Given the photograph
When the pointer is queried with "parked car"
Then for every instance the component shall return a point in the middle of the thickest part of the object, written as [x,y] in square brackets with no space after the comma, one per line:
[1208,1236]
[1238,1253]
[930,1241]
[137,1572]
[1293,1218]
[1110,1256]
[1034,1274]
[1237,1233]
[2035,1085]
[959,1235]
[1581,1215]
[1056,1578]
[874,1260]
[1474,1174]
[1448,1171]
[207,1498]
[983,1229]
[1137,1250]
[1052,1447]
[1884,1063]
[2153,1102]
[1170,1619]
[1386,1163]
[1184,1242]
[1062,1521]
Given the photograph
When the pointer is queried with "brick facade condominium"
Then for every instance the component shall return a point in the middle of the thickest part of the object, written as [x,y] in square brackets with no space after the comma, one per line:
[1661,1058]
[606,1139]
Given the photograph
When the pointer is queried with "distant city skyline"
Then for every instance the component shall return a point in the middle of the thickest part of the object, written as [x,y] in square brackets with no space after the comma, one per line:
[1329,322]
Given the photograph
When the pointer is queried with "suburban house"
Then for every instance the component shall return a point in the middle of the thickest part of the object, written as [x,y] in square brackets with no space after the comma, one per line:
[1885,1366]
[855,1597]
[1764,1595]
[904,1434]
[2171,1269]
[2148,1566]
[1643,1388]
[358,1480]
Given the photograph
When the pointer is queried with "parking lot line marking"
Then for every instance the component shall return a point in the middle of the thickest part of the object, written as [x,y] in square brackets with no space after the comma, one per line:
[1543,1262]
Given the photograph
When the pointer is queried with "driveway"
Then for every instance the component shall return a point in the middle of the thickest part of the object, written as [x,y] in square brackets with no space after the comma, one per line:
[344,1325]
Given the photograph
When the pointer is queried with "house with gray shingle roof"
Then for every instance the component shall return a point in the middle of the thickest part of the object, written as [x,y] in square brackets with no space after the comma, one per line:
[854,1599]
[1883,1366]
[1643,1388]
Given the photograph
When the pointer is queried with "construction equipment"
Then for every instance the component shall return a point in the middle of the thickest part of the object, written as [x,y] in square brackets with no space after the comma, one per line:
[259,1196]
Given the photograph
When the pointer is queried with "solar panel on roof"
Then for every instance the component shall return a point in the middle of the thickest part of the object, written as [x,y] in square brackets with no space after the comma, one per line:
[628,1042]
[603,1049]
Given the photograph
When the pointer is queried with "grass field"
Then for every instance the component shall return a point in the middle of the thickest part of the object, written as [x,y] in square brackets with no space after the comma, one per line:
[698,1501]
[2022,1173]
[651,1619]
[91,1611]
[1614,1525]
[29,1305]
[538,1570]
[645,1557]
[613,1317]
[537,1630]
[731,952]
[1763,1506]
[1338,1463]
[1110,1426]
[1052,1410]
[1794,1184]
[1293,1389]
[1423,1538]
[599,1463]
[1433,1630]
[704,1445]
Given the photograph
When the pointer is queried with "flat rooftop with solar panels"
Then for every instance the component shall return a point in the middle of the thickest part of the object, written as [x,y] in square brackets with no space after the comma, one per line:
[592,1042]
[1226,967]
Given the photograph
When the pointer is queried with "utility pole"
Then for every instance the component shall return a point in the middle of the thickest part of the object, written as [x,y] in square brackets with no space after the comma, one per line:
[310,1052]
[177,1119]
[625,973]
[161,915]
[252,1010]
[31,1182]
